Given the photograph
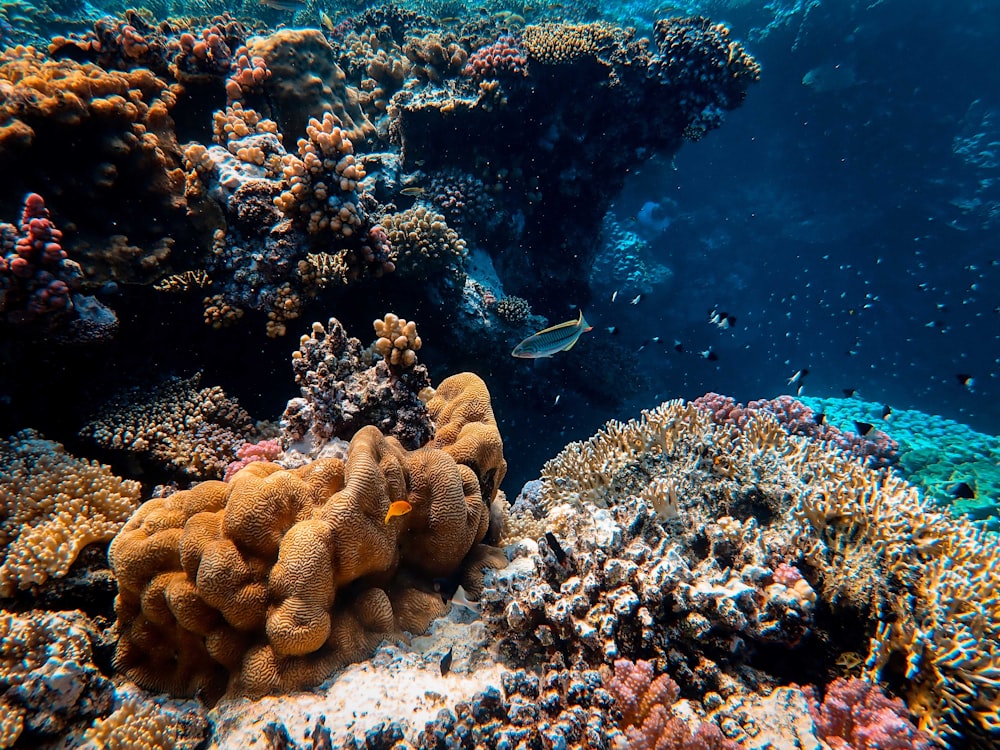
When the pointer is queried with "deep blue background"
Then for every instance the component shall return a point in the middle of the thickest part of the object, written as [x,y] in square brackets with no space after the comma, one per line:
[829,218]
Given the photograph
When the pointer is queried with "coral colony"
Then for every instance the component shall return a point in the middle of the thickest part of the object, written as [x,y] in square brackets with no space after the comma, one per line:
[353,573]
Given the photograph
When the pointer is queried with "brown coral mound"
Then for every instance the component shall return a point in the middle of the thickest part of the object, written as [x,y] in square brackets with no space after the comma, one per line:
[268,583]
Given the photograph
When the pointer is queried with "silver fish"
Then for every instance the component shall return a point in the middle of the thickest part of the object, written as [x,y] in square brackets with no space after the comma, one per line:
[549,341]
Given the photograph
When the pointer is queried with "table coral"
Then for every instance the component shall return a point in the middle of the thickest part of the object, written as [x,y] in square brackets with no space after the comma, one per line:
[268,582]
[52,505]
[181,427]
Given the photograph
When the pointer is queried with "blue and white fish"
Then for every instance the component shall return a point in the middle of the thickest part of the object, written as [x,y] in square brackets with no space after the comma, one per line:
[549,341]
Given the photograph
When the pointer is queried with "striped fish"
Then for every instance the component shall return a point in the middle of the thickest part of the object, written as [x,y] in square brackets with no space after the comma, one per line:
[549,341]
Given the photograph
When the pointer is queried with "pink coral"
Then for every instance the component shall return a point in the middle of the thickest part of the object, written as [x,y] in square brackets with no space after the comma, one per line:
[787,575]
[877,448]
[503,57]
[857,715]
[647,719]
[264,450]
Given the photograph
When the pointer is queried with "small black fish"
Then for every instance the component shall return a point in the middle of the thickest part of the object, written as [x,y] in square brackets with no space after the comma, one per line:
[962,491]
[819,418]
[886,411]
[863,428]
[446,662]
[613,330]
[848,391]
[966,380]
[709,355]
[446,588]
[556,548]
[678,346]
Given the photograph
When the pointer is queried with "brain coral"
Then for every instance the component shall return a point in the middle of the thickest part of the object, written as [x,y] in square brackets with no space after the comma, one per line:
[269,582]
[52,505]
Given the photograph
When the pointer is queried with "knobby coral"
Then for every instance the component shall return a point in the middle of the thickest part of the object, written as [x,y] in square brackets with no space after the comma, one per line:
[52,505]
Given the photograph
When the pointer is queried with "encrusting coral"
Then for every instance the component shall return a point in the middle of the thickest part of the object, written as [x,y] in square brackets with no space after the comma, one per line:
[270,581]
[52,505]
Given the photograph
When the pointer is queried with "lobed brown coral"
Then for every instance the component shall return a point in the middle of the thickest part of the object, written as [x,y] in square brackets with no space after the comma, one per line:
[52,505]
[268,582]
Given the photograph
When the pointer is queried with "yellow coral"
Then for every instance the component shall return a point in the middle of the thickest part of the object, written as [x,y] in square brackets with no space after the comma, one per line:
[135,725]
[269,582]
[54,505]
[397,341]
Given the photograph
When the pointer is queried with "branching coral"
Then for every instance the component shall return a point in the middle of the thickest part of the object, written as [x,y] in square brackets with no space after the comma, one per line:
[52,505]
[751,500]
[645,703]
[342,390]
[268,582]
[423,243]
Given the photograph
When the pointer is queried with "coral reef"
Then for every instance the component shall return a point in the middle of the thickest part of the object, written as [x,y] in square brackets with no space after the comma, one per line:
[52,505]
[755,530]
[344,388]
[179,427]
[40,286]
[270,581]
[48,680]
[935,453]
[856,714]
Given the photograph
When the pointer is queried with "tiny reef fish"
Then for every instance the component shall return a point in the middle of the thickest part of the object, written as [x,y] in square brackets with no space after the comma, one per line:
[398,508]
[412,190]
[549,341]
[326,21]
[446,662]
[289,5]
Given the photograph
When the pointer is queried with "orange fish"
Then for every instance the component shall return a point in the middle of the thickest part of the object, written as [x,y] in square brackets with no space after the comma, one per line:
[398,508]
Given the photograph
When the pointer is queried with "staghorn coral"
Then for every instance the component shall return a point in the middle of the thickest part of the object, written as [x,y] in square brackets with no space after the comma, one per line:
[268,582]
[769,525]
[342,390]
[182,428]
[48,681]
[52,505]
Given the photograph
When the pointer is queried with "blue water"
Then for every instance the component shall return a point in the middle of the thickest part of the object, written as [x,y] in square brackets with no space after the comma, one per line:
[845,214]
